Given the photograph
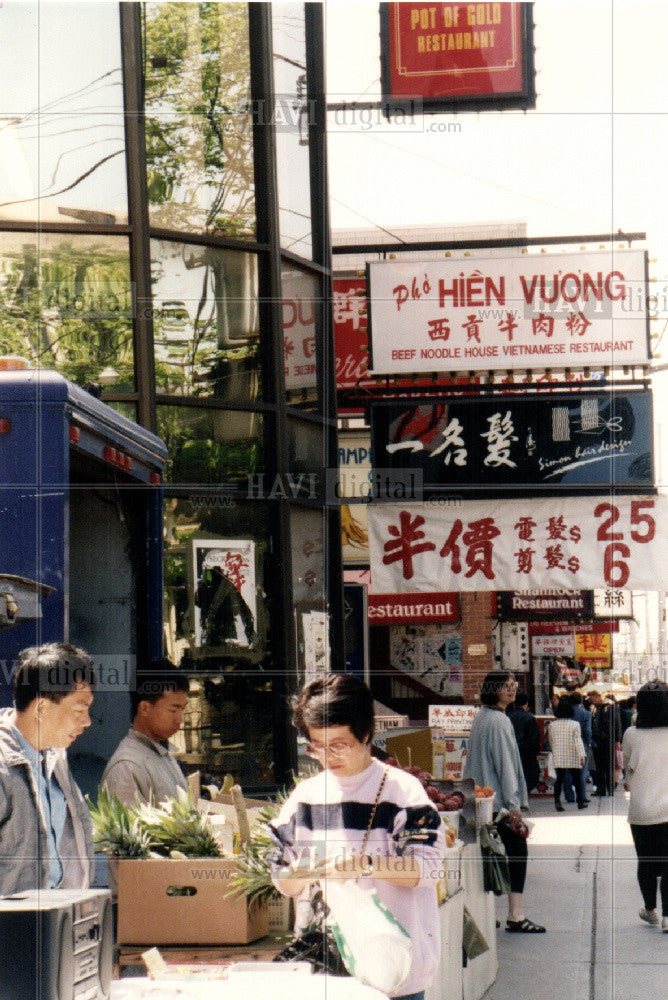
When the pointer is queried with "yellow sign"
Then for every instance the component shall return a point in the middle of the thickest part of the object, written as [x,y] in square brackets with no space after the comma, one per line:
[593,649]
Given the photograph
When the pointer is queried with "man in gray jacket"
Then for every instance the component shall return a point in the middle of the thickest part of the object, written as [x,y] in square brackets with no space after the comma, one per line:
[46,838]
[143,767]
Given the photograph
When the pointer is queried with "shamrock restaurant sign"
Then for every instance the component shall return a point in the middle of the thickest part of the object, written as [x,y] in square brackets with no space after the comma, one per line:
[595,439]
[570,543]
[545,310]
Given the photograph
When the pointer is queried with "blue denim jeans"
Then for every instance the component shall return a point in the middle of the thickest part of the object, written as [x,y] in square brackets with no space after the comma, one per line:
[411,996]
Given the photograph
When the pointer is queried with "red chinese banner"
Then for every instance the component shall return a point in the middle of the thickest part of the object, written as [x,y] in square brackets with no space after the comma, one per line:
[571,542]
[454,56]
[350,331]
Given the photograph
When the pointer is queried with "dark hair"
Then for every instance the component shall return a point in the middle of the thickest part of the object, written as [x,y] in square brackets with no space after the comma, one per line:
[521,699]
[492,684]
[51,671]
[576,698]
[334,700]
[159,679]
[564,708]
[652,702]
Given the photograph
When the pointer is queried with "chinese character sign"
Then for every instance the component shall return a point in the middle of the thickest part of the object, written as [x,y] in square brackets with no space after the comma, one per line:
[580,438]
[533,311]
[571,543]
[350,331]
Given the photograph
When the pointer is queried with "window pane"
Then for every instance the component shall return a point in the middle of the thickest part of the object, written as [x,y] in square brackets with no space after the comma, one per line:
[199,136]
[301,331]
[292,140]
[219,447]
[206,323]
[67,304]
[306,456]
[308,582]
[62,136]
[218,570]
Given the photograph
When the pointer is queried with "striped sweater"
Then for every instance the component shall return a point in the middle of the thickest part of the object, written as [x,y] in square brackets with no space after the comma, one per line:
[326,816]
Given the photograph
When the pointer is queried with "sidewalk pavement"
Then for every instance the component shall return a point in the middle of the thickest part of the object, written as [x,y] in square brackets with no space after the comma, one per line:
[581,885]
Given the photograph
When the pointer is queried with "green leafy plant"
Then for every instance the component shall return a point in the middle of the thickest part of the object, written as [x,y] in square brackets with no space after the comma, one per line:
[174,829]
[177,827]
[118,830]
[253,875]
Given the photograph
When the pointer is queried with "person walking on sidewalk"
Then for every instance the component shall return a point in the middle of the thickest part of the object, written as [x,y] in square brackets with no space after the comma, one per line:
[528,739]
[494,760]
[645,749]
[568,751]
[607,737]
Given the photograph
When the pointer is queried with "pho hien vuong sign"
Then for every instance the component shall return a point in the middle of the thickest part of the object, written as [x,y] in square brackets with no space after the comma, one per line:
[457,57]
[572,542]
[569,439]
[529,311]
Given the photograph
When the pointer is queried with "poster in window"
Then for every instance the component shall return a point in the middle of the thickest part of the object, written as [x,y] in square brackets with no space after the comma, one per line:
[224,593]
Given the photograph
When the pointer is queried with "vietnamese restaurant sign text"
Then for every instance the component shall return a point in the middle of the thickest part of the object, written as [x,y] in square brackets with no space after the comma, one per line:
[547,310]
[571,543]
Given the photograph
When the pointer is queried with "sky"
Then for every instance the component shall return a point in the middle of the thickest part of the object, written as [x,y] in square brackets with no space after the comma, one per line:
[591,158]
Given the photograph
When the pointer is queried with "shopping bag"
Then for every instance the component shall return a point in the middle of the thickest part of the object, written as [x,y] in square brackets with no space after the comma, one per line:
[375,948]
[550,773]
[495,872]
[316,943]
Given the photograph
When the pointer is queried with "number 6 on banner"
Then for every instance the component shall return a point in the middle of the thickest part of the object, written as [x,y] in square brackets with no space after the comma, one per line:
[617,546]
[610,564]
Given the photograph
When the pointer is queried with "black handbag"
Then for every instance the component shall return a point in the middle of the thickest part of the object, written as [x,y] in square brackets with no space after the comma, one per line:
[316,945]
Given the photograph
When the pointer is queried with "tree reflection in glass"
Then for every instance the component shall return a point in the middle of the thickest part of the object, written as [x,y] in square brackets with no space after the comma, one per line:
[67,305]
[62,140]
[199,137]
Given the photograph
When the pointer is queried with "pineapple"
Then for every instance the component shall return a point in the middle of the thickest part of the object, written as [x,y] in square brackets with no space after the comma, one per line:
[178,829]
[117,830]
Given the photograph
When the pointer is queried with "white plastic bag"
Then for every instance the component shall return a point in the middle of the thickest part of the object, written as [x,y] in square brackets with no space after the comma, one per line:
[550,772]
[375,948]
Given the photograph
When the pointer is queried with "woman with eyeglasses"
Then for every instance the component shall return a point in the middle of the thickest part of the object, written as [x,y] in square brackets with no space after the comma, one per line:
[493,759]
[645,750]
[324,831]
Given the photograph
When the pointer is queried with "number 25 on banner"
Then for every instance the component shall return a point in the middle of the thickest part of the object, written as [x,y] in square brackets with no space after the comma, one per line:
[643,528]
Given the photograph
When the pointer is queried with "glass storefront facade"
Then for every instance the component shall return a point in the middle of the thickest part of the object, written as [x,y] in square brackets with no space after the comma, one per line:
[164,239]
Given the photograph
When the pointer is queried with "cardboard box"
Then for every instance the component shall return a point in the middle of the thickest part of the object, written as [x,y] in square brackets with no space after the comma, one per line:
[169,901]
[411,747]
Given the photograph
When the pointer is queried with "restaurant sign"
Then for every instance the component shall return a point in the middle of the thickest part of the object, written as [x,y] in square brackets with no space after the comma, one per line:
[582,439]
[577,542]
[457,57]
[387,609]
[529,604]
[528,311]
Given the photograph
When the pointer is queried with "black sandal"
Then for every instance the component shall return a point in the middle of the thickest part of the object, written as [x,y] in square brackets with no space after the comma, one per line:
[523,927]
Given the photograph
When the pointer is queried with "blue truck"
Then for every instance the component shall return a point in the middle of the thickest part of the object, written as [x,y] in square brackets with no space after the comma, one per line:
[80,543]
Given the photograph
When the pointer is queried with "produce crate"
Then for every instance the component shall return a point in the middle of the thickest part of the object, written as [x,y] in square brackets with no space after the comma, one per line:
[169,901]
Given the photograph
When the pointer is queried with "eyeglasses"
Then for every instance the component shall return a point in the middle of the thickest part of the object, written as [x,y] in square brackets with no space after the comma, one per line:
[337,749]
